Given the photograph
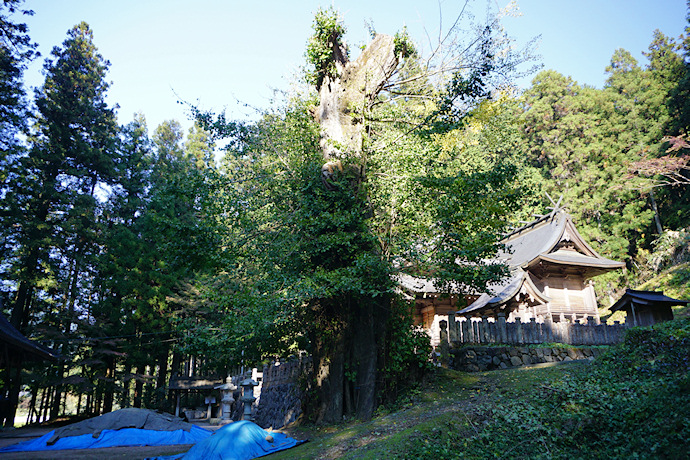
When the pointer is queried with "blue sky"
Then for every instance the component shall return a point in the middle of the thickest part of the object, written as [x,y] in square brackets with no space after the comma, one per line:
[219,52]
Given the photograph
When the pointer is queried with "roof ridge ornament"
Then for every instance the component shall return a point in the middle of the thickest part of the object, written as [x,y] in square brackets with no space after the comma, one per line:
[556,205]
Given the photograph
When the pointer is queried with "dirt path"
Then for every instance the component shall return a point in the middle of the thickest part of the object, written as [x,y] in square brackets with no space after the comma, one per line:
[395,423]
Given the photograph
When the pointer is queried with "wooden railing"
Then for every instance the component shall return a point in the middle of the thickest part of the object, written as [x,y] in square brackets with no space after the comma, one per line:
[483,331]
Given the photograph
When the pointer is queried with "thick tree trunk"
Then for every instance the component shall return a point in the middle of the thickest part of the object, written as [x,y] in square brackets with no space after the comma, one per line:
[329,361]
[14,374]
[344,100]
[29,270]
[57,398]
[22,306]
[366,353]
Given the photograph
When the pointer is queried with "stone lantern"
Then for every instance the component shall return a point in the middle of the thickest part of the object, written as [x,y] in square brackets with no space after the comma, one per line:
[227,399]
[248,397]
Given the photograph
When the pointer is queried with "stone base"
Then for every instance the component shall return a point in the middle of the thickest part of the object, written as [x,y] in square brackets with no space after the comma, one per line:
[477,359]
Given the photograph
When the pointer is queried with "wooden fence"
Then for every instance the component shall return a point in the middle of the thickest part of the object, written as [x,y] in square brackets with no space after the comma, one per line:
[483,331]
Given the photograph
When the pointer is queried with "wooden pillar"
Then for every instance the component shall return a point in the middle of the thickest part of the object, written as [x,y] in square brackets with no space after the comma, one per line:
[634,313]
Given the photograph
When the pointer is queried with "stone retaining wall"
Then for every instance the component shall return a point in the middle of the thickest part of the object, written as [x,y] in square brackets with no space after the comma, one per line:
[280,401]
[476,359]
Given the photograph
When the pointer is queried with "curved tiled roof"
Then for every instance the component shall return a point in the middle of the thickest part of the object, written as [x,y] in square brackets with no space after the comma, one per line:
[536,243]
[540,242]
[645,298]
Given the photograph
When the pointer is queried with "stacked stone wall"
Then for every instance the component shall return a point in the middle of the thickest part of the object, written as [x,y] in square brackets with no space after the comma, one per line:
[281,393]
[476,359]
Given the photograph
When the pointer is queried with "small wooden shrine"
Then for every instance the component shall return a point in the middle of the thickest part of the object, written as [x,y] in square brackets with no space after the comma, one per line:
[645,308]
[551,266]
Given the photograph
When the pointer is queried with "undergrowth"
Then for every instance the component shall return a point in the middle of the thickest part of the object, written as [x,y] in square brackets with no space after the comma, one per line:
[634,402]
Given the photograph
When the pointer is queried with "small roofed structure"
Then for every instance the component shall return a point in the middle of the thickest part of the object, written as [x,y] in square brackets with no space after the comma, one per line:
[550,269]
[188,384]
[645,308]
[551,266]
[15,345]
[15,350]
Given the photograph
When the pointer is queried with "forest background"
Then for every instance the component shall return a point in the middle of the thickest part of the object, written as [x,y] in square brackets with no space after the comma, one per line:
[131,253]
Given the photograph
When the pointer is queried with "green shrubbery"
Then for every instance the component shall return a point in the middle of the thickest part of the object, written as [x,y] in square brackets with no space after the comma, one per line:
[633,402]
[405,359]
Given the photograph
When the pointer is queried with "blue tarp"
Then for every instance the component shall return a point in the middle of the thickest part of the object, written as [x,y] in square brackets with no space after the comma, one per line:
[237,441]
[114,438]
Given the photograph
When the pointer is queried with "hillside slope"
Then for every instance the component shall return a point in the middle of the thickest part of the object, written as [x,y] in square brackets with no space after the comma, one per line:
[634,401]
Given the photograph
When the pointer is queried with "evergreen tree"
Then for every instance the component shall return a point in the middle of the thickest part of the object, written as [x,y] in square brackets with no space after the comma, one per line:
[71,155]
[16,49]
[57,202]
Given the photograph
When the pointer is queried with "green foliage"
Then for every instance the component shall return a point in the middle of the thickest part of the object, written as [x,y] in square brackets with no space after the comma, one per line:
[586,142]
[631,403]
[670,248]
[323,46]
[404,46]
[16,50]
[406,354]
[467,228]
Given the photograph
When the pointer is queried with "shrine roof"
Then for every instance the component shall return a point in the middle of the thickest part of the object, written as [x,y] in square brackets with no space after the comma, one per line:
[499,292]
[540,240]
[550,241]
[196,383]
[34,350]
[645,298]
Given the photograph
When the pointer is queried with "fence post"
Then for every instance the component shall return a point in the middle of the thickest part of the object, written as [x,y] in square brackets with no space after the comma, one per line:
[519,337]
[533,331]
[485,329]
[444,346]
[502,337]
[452,328]
[591,322]
[547,328]
[564,329]
[466,338]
